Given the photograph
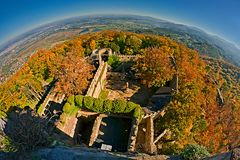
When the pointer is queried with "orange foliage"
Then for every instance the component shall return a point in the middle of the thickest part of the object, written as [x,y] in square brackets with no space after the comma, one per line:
[73,75]
[162,59]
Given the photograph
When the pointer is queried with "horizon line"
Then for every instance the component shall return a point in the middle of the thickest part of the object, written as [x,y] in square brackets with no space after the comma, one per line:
[47,22]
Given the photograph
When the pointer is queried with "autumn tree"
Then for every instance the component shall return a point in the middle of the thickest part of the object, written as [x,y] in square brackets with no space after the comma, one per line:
[132,45]
[159,65]
[155,67]
[193,115]
[93,44]
[73,75]
[114,47]
[42,64]
[120,39]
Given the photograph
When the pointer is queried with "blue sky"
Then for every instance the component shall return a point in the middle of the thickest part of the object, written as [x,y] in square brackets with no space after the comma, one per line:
[220,17]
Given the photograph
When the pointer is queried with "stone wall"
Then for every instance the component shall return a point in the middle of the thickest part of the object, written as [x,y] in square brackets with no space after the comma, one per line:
[97,83]
[95,129]
[128,57]
[149,136]
[133,136]
[98,53]
[146,141]
[69,126]
[48,98]
[94,90]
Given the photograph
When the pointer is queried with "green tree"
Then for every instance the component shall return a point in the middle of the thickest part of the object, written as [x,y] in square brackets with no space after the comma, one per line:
[114,61]
[87,51]
[114,47]
[120,40]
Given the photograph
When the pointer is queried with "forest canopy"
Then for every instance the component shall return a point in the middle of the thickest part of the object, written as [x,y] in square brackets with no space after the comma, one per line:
[194,115]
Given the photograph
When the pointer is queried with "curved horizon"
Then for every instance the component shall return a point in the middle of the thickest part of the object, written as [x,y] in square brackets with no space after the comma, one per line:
[216,17]
[3,43]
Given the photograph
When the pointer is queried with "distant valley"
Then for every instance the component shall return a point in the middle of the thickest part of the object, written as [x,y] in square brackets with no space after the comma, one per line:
[14,53]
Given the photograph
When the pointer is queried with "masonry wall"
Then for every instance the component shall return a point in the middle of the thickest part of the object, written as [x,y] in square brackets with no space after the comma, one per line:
[149,136]
[128,57]
[133,136]
[95,129]
[97,83]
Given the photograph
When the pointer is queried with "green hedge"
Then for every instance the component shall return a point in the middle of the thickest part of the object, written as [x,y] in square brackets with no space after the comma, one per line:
[79,101]
[70,109]
[88,102]
[107,106]
[98,105]
[131,106]
[101,106]
[137,112]
[67,108]
[118,106]
[70,100]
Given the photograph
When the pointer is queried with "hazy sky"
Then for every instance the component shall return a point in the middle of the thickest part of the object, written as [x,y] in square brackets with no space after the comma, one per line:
[220,17]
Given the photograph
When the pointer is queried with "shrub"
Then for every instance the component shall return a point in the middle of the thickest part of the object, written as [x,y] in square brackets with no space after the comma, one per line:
[98,105]
[74,111]
[70,100]
[70,109]
[79,101]
[114,61]
[107,106]
[194,152]
[88,102]
[67,108]
[118,106]
[130,107]
[137,112]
